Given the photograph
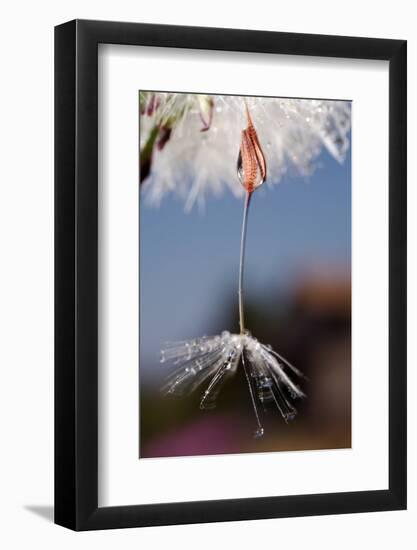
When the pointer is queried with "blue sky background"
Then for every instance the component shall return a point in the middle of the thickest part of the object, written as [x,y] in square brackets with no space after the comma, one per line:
[189,261]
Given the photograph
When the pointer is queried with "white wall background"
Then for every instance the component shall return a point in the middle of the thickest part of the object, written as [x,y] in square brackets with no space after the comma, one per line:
[26,289]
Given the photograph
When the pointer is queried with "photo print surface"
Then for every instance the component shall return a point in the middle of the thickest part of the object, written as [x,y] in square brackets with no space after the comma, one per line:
[245,274]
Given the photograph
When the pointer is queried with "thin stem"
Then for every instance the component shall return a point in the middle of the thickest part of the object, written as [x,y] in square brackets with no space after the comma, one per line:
[242,260]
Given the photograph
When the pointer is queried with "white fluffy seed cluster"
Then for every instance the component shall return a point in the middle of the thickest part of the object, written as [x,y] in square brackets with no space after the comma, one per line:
[195,163]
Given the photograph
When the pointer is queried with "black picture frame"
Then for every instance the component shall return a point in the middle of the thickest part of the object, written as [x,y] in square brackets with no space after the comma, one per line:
[76,273]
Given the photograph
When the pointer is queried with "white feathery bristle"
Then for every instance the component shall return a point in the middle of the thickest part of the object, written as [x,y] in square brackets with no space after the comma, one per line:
[195,163]
[210,361]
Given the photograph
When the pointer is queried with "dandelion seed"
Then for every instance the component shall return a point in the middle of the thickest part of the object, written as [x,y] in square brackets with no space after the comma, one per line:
[210,361]
[251,165]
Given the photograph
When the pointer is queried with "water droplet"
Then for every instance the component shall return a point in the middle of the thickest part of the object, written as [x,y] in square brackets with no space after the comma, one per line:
[162,358]
[188,348]
[290,416]
[259,432]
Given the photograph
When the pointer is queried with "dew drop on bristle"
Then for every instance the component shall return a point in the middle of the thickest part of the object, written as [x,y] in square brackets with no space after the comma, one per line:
[240,172]
[259,433]
[289,417]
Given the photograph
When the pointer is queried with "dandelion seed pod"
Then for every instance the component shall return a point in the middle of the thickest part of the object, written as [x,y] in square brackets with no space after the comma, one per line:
[251,165]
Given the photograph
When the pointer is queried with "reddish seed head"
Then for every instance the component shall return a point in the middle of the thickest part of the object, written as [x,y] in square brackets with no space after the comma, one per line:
[251,165]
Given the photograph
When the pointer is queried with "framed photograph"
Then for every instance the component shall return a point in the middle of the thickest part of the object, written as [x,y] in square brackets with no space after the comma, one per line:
[230,255]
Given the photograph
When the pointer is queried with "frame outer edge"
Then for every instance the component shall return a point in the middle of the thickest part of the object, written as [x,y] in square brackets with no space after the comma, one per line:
[86,269]
[398,275]
[64,175]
